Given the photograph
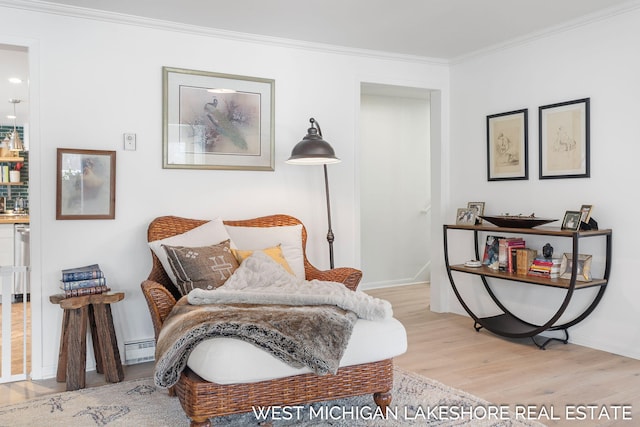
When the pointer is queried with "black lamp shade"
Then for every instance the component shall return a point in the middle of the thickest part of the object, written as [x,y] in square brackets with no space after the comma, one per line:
[313,150]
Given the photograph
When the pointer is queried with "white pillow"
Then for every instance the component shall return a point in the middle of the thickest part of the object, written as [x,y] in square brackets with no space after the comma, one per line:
[209,233]
[257,238]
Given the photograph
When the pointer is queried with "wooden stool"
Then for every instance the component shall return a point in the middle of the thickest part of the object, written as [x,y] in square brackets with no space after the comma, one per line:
[72,359]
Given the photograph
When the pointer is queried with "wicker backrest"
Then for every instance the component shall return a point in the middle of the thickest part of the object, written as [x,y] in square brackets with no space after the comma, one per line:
[168,226]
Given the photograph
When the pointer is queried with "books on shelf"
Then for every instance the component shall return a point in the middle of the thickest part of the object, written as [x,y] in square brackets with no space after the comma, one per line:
[505,258]
[545,267]
[524,259]
[87,280]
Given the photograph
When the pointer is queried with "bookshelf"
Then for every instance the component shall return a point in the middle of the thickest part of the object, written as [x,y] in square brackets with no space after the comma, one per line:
[508,324]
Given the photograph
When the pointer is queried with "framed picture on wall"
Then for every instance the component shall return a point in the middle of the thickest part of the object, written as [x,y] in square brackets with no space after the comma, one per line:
[507,146]
[217,121]
[564,140]
[85,184]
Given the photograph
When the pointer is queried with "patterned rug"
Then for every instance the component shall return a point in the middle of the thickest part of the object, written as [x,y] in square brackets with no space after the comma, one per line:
[417,401]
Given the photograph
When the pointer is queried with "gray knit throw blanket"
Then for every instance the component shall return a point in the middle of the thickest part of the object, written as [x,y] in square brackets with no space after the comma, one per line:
[312,336]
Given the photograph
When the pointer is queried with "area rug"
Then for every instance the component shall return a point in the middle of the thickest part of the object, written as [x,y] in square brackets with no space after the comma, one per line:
[416,401]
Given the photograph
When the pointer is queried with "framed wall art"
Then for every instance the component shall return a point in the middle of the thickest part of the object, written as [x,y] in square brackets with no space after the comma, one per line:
[85,184]
[507,146]
[564,140]
[217,121]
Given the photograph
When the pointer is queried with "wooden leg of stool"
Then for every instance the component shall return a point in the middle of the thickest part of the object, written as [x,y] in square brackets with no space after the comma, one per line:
[76,348]
[106,334]
[61,375]
[97,350]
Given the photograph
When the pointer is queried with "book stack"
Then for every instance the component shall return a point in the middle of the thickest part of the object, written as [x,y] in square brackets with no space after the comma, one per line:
[87,280]
[545,267]
[524,260]
[507,253]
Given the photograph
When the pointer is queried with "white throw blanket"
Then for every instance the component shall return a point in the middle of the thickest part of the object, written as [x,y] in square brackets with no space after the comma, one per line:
[260,280]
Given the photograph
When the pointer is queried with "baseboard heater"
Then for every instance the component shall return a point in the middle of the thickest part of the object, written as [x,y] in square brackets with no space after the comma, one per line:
[139,351]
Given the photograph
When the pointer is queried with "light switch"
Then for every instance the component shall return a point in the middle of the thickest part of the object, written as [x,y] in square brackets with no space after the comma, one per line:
[129,141]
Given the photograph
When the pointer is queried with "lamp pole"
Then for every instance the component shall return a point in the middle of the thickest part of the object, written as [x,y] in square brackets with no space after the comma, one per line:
[313,150]
[330,236]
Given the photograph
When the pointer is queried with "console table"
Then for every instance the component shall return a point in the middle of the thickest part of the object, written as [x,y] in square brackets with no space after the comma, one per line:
[507,323]
[72,359]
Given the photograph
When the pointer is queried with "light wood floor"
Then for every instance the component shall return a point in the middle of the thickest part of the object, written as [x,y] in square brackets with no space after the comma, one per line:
[445,347]
[20,350]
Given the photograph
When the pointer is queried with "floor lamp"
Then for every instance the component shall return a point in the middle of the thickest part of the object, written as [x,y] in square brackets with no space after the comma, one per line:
[313,150]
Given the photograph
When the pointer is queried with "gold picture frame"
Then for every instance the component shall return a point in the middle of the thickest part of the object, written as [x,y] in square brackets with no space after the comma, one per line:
[583,272]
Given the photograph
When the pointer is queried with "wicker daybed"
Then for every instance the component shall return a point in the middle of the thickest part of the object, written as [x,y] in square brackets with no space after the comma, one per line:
[202,400]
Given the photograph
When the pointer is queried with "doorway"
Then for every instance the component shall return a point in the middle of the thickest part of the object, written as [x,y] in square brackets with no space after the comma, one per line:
[395,182]
[15,304]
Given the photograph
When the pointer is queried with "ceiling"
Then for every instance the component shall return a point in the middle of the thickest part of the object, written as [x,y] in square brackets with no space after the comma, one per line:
[432,28]
[437,29]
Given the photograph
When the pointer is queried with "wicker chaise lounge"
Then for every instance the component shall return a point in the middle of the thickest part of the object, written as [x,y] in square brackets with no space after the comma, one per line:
[202,400]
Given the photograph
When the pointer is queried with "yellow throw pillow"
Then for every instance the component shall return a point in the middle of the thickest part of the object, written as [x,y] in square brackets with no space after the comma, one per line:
[275,253]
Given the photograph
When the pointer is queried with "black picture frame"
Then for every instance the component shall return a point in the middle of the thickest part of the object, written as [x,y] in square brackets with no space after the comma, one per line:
[508,146]
[571,220]
[564,150]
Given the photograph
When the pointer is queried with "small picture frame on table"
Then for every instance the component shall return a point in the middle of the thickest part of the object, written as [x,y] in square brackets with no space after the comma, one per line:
[583,271]
[571,220]
[479,207]
[585,213]
[466,216]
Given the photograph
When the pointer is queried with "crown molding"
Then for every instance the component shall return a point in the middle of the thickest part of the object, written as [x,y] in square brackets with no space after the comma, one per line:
[120,18]
[602,15]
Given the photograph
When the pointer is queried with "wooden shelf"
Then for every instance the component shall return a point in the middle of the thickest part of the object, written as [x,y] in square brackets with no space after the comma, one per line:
[555,283]
[11,159]
[11,183]
[539,231]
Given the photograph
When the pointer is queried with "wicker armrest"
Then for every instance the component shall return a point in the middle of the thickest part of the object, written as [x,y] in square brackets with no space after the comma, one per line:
[160,302]
[350,277]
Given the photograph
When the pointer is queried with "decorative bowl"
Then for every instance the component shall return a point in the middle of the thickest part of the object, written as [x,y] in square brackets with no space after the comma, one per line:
[516,221]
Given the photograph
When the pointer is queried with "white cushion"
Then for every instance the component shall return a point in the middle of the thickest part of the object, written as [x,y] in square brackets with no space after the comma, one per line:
[209,233]
[257,238]
[230,360]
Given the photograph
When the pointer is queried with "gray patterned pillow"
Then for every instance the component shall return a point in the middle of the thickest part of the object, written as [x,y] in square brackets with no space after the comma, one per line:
[206,267]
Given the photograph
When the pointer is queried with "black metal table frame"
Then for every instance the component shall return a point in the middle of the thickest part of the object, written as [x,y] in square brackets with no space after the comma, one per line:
[527,329]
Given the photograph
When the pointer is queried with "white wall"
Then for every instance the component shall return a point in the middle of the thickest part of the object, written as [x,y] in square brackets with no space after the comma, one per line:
[93,80]
[599,61]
